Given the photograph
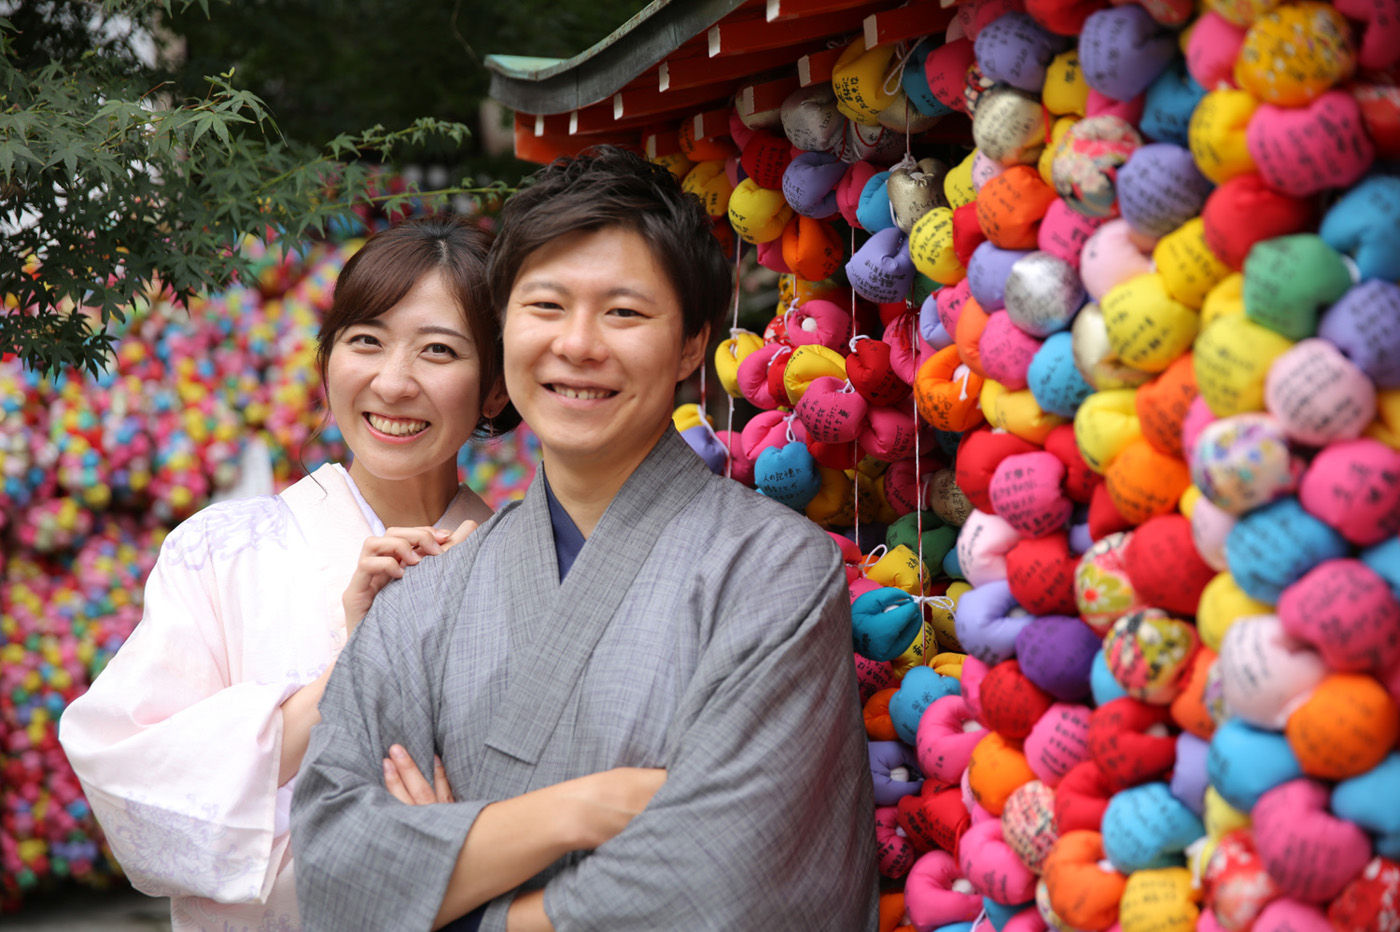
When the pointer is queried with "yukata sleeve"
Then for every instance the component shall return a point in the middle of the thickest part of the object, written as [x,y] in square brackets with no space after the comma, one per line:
[178,762]
[764,821]
[363,859]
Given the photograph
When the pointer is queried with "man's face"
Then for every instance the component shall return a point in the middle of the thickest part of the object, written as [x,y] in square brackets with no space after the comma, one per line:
[594,347]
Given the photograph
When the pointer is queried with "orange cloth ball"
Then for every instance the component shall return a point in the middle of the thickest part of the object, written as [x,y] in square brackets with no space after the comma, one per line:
[997,767]
[878,724]
[1083,892]
[1345,728]
[1144,482]
[1011,206]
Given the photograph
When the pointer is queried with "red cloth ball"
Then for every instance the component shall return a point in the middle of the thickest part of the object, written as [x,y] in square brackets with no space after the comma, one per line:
[1244,211]
[1081,798]
[1104,516]
[1080,480]
[967,232]
[1063,17]
[1011,703]
[1040,572]
[979,453]
[935,818]
[1131,742]
[1163,564]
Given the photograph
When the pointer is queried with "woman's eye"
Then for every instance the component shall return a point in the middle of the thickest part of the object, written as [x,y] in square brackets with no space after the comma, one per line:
[362,339]
[441,349]
[626,312]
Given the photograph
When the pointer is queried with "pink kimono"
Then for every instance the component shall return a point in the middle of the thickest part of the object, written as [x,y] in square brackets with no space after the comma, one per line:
[178,741]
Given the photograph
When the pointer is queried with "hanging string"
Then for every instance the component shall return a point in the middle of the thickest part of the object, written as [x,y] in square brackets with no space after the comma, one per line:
[914,396]
[896,76]
[734,349]
[918,477]
[855,444]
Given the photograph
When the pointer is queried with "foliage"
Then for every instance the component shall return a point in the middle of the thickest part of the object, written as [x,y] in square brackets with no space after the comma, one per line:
[110,189]
[328,66]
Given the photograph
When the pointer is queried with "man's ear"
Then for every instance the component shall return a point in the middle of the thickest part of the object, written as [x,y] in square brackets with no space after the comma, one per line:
[693,353]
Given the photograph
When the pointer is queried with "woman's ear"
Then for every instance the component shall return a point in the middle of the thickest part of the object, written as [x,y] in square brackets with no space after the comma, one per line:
[496,399]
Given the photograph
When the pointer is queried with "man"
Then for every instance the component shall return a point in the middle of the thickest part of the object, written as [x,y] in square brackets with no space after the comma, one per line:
[639,678]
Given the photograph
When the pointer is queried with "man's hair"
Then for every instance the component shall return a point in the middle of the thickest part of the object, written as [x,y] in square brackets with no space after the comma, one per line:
[610,187]
[391,262]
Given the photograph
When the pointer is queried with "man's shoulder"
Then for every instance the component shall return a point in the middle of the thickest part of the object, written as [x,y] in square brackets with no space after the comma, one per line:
[752,529]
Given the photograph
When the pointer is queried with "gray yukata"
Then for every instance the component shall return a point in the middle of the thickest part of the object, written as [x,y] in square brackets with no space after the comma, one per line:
[703,628]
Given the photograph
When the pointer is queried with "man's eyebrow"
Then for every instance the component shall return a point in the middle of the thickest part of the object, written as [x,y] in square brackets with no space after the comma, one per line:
[617,291]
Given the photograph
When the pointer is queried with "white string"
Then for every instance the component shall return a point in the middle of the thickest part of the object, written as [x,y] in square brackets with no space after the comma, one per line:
[855,444]
[918,480]
[902,59]
[733,348]
[873,557]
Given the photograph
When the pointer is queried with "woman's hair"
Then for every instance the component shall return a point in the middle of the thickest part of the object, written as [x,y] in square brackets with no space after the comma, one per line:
[391,262]
[610,187]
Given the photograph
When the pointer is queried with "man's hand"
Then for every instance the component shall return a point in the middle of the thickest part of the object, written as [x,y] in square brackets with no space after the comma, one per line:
[405,782]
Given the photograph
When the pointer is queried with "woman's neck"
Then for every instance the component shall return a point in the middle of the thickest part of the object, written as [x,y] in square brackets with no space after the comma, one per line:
[416,502]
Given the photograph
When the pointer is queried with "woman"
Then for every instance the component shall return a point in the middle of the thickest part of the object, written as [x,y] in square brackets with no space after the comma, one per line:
[189,742]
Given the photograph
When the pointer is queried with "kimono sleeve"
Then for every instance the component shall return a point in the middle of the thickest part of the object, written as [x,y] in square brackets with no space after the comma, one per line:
[764,821]
[363,859]
[179,763]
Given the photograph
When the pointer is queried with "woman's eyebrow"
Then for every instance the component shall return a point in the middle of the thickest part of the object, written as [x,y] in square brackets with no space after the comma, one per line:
[445,331]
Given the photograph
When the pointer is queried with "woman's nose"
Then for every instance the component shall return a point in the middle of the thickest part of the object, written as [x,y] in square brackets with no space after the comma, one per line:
[396,378]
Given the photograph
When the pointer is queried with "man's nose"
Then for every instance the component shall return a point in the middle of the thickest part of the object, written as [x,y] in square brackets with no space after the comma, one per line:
[580,337]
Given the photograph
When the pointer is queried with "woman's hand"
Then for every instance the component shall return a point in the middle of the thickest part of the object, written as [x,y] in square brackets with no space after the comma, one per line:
[383,559]
[405,781]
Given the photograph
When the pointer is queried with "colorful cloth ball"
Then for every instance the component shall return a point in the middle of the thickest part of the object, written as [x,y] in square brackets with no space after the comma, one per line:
[1242,462]
[1087,160]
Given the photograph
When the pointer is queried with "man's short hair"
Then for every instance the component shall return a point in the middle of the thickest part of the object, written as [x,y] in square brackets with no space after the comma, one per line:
[610,187]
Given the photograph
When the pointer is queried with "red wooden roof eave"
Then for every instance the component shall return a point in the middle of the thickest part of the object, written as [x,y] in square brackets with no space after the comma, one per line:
[636,108]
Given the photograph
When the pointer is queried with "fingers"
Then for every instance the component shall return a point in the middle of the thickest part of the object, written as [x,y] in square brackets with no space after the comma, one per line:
[423,539]
[441,788]
[417,788]
[459,535]
[394,785]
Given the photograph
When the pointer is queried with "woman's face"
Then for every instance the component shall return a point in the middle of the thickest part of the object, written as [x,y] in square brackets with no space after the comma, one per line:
[405,387]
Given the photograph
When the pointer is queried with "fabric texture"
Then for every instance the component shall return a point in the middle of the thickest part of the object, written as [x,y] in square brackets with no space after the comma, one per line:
[178,741]
[519,681]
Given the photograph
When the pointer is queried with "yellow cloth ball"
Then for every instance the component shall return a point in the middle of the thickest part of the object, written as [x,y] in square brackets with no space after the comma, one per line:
[758,214]
[1232,358]
[1223,603]
[1216,134]
[1187,265]
[931,247]
[1147,328]
[1105,423]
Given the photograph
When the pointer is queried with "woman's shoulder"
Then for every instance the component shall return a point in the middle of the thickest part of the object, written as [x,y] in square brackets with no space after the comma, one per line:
[226,529]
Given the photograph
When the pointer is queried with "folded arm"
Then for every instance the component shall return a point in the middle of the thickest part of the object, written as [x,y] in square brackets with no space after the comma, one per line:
[764,820]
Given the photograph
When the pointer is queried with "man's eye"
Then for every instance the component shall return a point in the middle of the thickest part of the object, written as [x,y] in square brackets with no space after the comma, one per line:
[626,312]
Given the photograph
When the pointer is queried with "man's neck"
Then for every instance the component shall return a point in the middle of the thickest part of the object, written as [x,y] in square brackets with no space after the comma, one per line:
[586,488]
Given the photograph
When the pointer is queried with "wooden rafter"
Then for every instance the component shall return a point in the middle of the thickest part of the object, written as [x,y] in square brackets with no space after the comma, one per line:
[918,19]
[734,36]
